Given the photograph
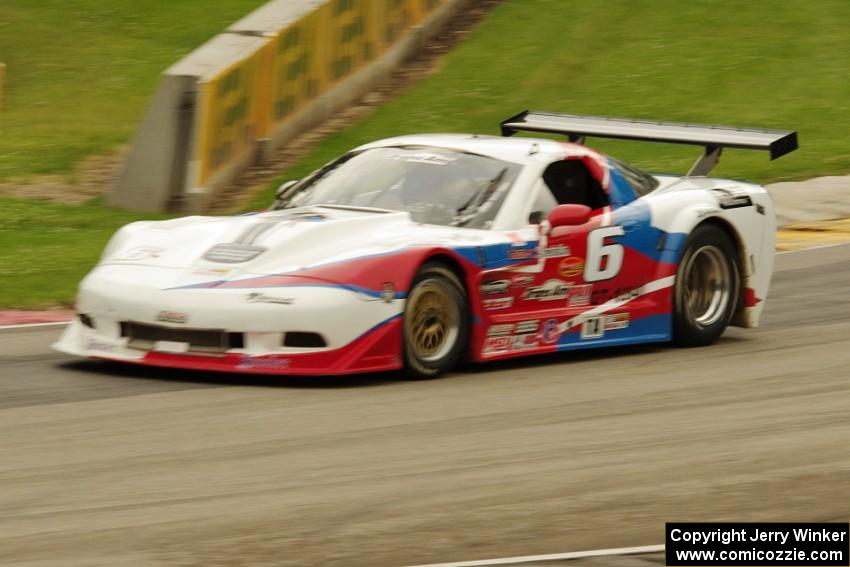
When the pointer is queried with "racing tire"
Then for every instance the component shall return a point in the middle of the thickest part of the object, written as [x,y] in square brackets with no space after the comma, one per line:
[436,329]
[707,290]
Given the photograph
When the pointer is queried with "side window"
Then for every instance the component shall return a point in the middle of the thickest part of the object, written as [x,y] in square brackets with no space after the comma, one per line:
[567,182]
[544,203]
[641,182]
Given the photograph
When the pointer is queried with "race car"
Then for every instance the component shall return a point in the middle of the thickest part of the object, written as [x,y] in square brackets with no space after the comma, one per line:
[418,251]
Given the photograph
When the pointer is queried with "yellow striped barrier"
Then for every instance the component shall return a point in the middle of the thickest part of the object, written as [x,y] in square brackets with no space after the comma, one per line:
[2,81]
[252,98]
[282,69]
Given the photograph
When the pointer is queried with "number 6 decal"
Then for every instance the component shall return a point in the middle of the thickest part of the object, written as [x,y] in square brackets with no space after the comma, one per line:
[599,252]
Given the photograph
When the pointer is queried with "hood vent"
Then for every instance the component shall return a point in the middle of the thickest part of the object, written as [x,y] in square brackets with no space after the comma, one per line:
[233,253]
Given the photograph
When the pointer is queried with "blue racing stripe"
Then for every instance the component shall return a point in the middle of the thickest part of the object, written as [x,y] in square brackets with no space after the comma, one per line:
[655,328]
[641,236]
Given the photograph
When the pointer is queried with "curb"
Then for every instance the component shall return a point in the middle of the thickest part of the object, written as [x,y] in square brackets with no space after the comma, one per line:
[19,317]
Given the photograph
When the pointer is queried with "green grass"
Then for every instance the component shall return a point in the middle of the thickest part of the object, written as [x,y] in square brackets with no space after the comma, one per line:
[46,249]
[79,76]
[759,64]
[79,73]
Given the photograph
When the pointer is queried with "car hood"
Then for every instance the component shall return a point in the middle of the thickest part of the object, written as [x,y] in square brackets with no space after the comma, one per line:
[274,242]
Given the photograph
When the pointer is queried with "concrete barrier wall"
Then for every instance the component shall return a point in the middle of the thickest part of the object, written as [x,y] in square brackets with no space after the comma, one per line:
[282,69]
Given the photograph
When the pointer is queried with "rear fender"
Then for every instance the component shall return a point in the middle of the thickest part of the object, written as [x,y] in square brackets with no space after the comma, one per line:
[752,229]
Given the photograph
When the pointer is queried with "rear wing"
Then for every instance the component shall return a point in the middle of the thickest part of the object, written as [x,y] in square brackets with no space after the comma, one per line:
[712,138]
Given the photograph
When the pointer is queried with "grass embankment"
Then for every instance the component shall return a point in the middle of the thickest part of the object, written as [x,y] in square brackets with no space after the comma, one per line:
[760,64]
[79,76]
[79,73]
[46,249]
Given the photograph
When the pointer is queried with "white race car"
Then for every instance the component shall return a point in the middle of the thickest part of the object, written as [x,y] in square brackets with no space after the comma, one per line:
[415,251]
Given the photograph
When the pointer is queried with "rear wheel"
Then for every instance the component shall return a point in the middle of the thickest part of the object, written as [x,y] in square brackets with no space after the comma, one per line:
[707,287]
[435,322]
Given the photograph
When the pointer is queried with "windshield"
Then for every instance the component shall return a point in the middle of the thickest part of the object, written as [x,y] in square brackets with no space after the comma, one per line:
[435,185]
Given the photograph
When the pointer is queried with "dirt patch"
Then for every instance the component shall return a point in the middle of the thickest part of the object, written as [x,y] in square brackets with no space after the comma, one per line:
[423,63]
[93,176]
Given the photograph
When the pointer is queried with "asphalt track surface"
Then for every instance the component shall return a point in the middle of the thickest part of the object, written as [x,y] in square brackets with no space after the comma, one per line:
[102,464]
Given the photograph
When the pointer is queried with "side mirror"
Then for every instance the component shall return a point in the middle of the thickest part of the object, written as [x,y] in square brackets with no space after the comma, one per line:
[569,215]
[284,188]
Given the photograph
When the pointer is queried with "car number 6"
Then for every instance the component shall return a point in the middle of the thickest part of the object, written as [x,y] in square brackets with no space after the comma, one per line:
[599,252]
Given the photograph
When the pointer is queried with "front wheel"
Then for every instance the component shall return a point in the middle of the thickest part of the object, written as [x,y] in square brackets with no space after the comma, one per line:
[707,287]
[435,322]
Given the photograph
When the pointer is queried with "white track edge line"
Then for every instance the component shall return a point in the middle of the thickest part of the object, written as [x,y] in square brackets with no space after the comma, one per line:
[32,326]
[833,245]
[552,557]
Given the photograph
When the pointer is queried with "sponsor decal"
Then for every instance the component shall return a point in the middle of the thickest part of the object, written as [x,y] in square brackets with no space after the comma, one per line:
[628,295]
[250,362]
[521,254]
[616,321]
[498,303]
[524,327]
[493,287]
[257,297]
[500,330]
[522,280]
[556,251]
[493,345]
[593,328]
[618,294]
[94,344]
[139,253]
[524,341]
[423,157]
[571,267]
[233,253]
[552,289]
[580,295]
[388,293]
[172,317]
[551,331]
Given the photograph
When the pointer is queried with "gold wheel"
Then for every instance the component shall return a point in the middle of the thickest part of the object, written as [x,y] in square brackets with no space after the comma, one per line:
[432,323]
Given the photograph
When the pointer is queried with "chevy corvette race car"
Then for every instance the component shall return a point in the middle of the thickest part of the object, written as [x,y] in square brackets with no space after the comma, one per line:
[416,251]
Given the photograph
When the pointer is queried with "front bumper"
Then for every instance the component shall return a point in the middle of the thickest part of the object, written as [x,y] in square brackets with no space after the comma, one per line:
[376,350]
[359,333]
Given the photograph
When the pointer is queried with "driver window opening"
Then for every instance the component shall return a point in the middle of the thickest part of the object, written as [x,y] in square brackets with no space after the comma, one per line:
[567,182]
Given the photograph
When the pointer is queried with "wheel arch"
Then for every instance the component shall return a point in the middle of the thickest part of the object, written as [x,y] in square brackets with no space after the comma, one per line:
[451,263]
[744,267]
[447,261]
[466,279]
